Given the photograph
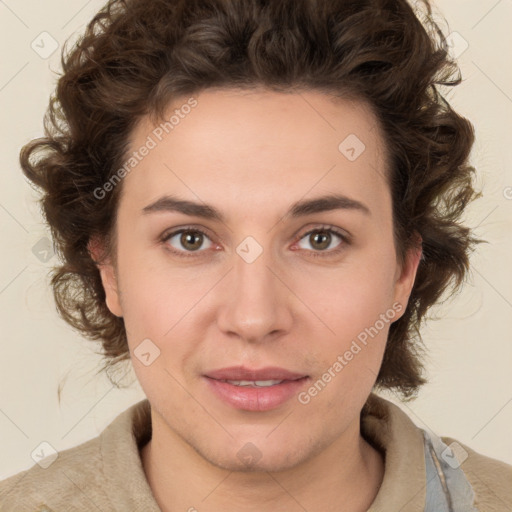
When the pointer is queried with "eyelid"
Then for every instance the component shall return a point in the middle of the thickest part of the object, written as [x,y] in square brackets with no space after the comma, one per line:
[179,229]
[167,235]
[345,237]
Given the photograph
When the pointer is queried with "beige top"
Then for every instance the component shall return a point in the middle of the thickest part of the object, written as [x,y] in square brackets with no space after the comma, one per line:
[106,473]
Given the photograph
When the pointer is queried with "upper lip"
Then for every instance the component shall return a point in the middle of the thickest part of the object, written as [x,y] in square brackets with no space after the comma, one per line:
[243,373]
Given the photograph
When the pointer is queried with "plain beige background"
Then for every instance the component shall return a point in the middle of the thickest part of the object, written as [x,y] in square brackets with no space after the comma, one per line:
[469,396]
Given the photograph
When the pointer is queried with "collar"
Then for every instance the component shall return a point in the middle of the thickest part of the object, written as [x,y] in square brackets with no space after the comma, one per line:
[125,481]
[383,424]
[388,429]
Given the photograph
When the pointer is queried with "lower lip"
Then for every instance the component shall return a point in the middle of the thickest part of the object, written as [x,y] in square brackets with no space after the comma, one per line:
[250,398]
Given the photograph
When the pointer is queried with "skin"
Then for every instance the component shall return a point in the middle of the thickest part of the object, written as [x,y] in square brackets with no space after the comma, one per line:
[251,155]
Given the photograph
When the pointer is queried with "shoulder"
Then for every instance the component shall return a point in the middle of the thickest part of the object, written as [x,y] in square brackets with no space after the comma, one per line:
[54,483]
[490,478]
[405,446]
[91,476]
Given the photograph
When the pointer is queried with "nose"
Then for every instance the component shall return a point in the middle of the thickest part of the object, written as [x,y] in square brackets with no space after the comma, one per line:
[256,302]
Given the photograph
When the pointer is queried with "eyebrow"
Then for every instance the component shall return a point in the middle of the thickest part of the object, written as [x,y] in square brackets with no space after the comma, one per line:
[169,203]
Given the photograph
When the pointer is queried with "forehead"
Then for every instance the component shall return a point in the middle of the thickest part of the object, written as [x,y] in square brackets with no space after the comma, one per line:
[260,146]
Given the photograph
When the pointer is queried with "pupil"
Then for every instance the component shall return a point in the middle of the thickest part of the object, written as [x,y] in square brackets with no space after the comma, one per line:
[187,237]
[326,237]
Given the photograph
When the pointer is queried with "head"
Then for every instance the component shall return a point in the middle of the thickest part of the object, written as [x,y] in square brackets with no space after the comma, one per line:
[251,109]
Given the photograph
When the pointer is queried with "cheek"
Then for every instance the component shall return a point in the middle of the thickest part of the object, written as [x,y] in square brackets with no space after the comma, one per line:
[149,301]
[147,309]
[352,297]
[353,305]
[163,304]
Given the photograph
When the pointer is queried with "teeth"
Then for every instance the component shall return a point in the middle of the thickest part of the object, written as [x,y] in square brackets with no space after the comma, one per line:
[254,383]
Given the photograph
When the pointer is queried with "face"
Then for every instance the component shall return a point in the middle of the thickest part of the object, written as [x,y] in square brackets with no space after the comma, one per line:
[299,299]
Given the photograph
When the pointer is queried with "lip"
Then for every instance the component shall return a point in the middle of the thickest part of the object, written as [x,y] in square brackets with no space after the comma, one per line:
[243,373]
[257,399]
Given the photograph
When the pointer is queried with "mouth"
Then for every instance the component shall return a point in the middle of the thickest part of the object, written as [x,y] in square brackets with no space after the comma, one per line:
[255,389]
[254,383]
[243,374]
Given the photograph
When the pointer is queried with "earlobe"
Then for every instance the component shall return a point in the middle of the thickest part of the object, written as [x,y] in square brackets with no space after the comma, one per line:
[109,280]
[108,276]
[407,274]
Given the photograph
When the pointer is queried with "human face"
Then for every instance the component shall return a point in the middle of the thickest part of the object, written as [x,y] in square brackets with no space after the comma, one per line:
[256,291]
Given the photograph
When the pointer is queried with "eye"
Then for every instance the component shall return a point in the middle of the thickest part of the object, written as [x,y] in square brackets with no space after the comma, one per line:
[186,240]
[322,238]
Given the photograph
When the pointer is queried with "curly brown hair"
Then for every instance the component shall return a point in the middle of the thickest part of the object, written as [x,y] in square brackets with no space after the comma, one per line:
[136,56]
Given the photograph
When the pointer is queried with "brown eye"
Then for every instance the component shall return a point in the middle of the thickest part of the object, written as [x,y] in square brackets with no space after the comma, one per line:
[186,240]
[322,242]
[191,240]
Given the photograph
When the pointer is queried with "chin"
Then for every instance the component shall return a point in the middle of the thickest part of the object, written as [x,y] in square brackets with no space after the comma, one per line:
[251,459]
[273,465]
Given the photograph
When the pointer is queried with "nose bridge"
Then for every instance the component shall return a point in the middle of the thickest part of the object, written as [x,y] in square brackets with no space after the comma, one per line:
[257,303]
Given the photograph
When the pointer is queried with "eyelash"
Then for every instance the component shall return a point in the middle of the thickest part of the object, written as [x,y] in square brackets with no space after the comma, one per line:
[315,254]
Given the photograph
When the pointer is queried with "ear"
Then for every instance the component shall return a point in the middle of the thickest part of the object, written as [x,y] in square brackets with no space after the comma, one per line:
[108,275]
[406,273]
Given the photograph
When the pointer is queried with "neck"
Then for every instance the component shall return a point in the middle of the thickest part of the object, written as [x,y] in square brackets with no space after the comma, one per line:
[347,473]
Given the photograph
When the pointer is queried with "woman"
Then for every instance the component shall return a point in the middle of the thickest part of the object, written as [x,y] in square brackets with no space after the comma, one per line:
[256,203]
